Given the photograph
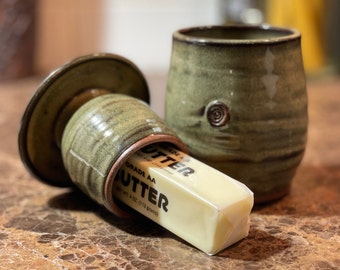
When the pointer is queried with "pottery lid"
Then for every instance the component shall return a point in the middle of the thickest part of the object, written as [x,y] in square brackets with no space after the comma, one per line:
[38,148]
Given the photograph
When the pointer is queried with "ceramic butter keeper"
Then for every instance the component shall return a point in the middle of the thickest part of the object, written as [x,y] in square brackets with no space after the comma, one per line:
[86,119]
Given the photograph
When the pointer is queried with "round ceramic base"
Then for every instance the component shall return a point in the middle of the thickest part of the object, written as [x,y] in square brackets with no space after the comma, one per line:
[38,147]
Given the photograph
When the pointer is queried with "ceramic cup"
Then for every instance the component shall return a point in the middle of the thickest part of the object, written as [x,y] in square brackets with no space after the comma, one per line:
[236,95]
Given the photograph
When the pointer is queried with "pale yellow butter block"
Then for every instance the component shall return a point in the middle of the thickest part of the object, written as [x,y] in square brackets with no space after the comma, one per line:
[203,206]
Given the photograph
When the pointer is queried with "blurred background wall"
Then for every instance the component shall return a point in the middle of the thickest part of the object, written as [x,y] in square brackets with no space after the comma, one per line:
[17,38]
[66,29]
[141,29]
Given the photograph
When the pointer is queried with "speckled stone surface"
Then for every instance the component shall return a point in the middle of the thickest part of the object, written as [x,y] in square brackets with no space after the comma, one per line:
[44,227]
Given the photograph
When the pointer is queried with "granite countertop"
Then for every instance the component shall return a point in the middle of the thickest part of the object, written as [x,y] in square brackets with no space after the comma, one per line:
[44,227]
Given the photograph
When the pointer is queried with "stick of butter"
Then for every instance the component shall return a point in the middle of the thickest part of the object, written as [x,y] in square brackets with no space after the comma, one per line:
[203,206]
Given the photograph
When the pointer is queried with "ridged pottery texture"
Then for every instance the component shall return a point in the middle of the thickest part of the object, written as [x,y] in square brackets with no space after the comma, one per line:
[101,135]
[236,95]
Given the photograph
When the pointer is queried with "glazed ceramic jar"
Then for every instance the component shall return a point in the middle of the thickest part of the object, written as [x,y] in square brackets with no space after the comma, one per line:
[85,120]
[236,95]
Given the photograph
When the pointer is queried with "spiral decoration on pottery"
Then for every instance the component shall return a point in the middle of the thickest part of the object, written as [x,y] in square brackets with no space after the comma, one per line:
[218,114]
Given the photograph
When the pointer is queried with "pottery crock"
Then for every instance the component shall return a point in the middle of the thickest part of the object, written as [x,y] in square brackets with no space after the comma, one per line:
[236,95]
[85,120]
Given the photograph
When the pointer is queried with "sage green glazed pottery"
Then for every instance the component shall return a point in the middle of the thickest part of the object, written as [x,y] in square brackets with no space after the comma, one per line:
[236,95]
[85,120]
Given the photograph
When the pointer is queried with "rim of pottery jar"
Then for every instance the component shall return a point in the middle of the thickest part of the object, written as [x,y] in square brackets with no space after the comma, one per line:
[235,34]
